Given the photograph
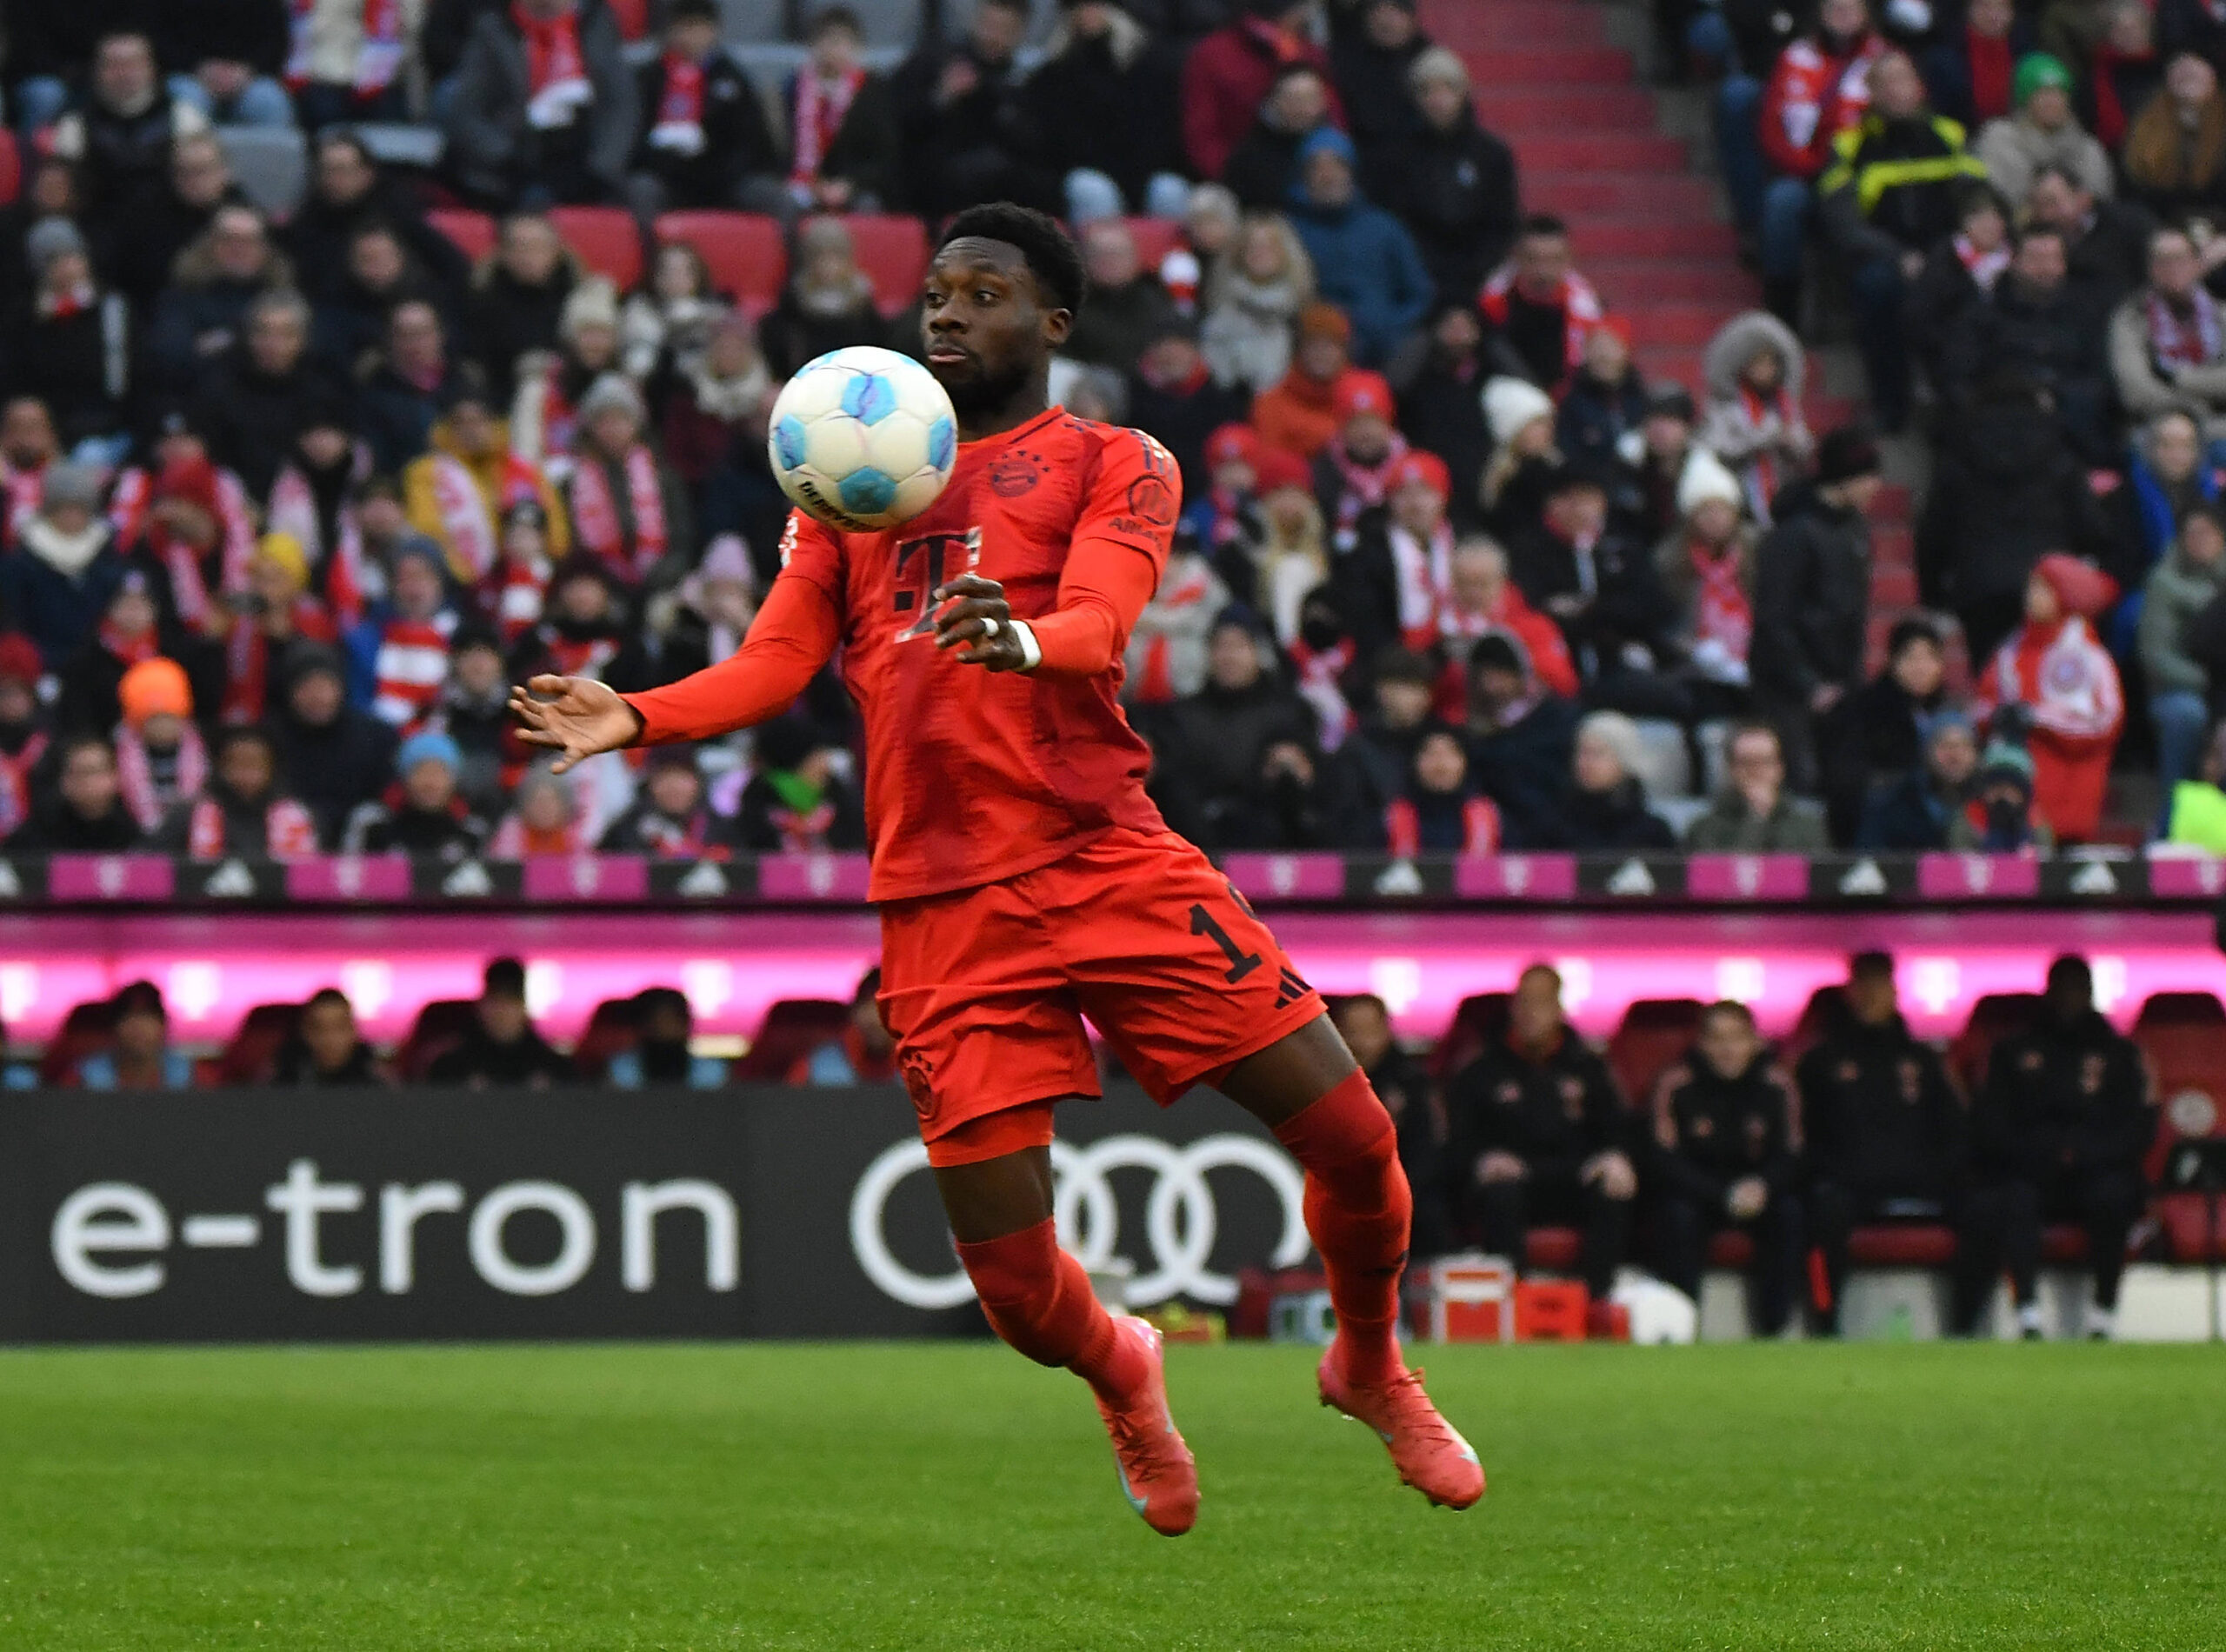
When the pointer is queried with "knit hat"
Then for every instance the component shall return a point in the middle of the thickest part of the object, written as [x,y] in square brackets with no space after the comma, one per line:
[1324,140]
[728,558]
[2081,588]
[1359,393]
[1320,320]
[1279,468]
[2003,762]
[594,303]
[19,661]
[1511,403]
[1845,453]
[1948,718]
[1705,478]
[153,688]
[287,552]
[424,550]
[613,392]
[1911,628]
[2035,70]
[1233,444]
[1496,651]
[1418,468]
[1669,401]
[52,238]
[71,484]
[432,746]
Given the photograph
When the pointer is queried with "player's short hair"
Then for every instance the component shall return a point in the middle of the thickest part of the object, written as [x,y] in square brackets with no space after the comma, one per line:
[1870,966]
[1052,257]
[506,978]
[1729,1007]
[328,995]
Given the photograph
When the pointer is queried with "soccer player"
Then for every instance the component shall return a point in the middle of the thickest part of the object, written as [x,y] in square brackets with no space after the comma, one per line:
[1024,878]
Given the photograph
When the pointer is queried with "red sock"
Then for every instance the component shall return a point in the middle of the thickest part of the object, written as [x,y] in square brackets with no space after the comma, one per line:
[1038,1299]
[1358,1209]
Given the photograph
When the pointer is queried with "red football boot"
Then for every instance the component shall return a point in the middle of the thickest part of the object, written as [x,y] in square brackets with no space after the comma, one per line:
[1158,1475]
[1429,1454]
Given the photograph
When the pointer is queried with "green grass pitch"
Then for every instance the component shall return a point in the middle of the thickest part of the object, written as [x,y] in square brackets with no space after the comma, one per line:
[950,1495]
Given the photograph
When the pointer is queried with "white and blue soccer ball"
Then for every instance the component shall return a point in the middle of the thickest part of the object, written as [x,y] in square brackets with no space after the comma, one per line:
[862,439]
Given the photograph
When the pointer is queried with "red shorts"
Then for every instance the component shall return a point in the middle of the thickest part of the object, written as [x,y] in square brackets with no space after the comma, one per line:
[986,988]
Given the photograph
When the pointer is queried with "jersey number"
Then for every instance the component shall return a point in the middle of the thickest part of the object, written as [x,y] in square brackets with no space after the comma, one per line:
[922,565]
[1241,963]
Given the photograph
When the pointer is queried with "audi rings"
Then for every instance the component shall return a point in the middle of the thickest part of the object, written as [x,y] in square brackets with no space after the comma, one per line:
[1181,1220]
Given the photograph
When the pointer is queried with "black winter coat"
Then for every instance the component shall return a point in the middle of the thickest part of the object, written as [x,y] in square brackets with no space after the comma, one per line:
[1524,768]
[1552,1113]
[2006,489]
[2054,340]
[1881,1117]
[1710,1132]
[1455,191]
[2065,1096]
[1092,112]
[1618,818]
[737,141]
[192,32]
[1812,597]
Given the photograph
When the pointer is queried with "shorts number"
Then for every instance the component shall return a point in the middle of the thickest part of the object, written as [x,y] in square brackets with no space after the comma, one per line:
[1241,963]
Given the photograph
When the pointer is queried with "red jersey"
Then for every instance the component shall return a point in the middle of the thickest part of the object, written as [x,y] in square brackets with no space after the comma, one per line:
[972,775]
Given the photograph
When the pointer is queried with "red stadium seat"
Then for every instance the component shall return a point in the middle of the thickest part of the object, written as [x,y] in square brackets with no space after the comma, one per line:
[1154,239]
[82,1031]
[1653,1033]
[439,1026]
[473,233]
[606,239]
[1896,1244]
[793,1029]
[743,250]
[1553,1250]
[252,1056]
[1994,1017]
[1477,1020]
[632,17]
[2177,1009]
[12,168]
[610,1028]
[2188,1227]
[1731,1249]
[2186,1055]
[2063,1245]
[893,252]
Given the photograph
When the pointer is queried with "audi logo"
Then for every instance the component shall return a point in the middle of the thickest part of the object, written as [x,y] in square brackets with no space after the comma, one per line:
[1181,1221]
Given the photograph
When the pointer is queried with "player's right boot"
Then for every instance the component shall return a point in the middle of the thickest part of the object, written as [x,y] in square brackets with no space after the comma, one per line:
[1429,1453]
[1158,1475]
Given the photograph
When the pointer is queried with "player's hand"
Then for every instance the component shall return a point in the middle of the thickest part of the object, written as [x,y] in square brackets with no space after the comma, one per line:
[576,716]
[975,621]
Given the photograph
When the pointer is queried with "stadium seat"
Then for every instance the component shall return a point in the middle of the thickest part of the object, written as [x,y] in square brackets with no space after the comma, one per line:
[1994,1017]
[2188,1229]
[473,233]
[1900,1244]
[83,1031]
[252,1054]
[1476,1021]
[439,1025]
[1731,1249]
[1154,239]
[893,252]
[403,143]
[1553,1250]
[2177,1009]
[1653,1033]
[743,250]
[1819,1017]
[269,163]
[1665,766]
[793,1028]
[12,168]
[610,1028]
[606,240]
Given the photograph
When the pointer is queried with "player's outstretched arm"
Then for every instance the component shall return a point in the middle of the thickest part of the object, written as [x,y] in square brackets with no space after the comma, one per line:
[575,715]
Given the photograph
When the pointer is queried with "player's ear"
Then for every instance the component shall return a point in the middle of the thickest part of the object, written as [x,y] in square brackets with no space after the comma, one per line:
[1057,323]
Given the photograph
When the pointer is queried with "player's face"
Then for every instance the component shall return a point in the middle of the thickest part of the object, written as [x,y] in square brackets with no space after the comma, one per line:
[1728,1044]
[988,332]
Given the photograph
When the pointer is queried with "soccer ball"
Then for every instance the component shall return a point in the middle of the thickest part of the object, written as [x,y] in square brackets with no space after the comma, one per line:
[862,439]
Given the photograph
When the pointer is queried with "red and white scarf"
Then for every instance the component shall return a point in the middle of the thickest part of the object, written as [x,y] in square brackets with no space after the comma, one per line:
[127,511]
[379,46]
[1363,485]
[24,490]
[682,105]
[411,663]
[1761,471]
[512,595]
[247,659]
[1319,671]
[2193,341]
[595,518]
[1403,828]
[347,585]
[672,840]
[1984,268]
[135,774]
[128,650]
[288,834]
[1580,306]
[1190,582]
[584,658]
[552,49]
[514,841]
[16,782]
[463,511]
[1721,612]
[1425,576]
[821,109]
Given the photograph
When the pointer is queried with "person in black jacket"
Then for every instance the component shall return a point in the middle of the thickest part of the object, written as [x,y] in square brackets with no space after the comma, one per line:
[704,140]
[1521,738]
[1600,588]
[543,105]
[501,1047]
[1540,1134]
[167,215]
[1398,1080]
[1885,1131]
[85,814]
[257,399]
[347,192]
[2048,330]
[2059,1131]
[1173,395]
[1812,597]
[1260,170]
[1604,809]
[1961,271]
[1877,733]
[1101,100]
[1440,384]
[70,343]
[963,121]
[334,756]
[325,1051]
[1727,1154]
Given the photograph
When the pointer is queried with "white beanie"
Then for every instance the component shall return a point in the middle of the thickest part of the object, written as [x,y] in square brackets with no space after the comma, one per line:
[1511,403]
[1705,478]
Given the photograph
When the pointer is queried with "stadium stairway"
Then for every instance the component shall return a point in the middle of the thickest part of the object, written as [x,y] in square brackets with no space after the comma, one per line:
[1631,171]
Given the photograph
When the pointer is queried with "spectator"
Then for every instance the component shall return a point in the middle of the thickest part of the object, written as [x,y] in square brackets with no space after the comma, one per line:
[1754,814]
[1878,732]
[2186,581]
[2045,132]
[84,814]
[1977,74]
[1928,806]
[1961,273]
[713,427]
[1479,600]
[1606,399]
[377,273]
[280,612]
[1263,170]
[1776,139]
[1886,1136]
[346,195]
[1706,568]
[1440,812]
[1452,182]
[196,530]
[161,760]
[543,820]
[2195,815]
[1365,1024]
[2175,155]
[703,140]
[2053,666]
[1172,395]
[1210,220]
[2106,242]
[827,304]
[843,139]
[325,1051]
[1255,299]
[1440,402]
[1525,460]
[1356,469]
[660,1055]
[386,533]
[231,53]
[1099,99]
[796,803]
[2007,487]
[2060,1129]
[118,133]
[1812,597]
[513,591]
[1166,654]
[584,630]
[203,313]
[2047,330]
[865,1054]
[666,322]
[1230,72]
[1128,308]
[717,602]
[139,1056]
[626,508]
[670,818]
[2166,477]
[1541,1135]
[1728,1143]
[2168,341]
[1325,655]
[1219,734]
[399,653]
[1538,307]
[544,412]
[1376,758]
[1521,742]
[544,107]
[1371,63]
[72,348]
[1604,809]
[25,736]
[474,711]
[2123,74]
[406,387]
[48,50]
[423,814]
[1274,570]
[962,120]
[166,217]
[1290,803]
[1598,587]
[29,449]
[1298,412]
[350,62]
[257,399]
[1655,457]
[55,583]
[1888,198]
[1363,259]
[335,757]
[130,630]
[1757,377]
[500,1049]
[459,491]
[520,298]
[313,502]
[241,811]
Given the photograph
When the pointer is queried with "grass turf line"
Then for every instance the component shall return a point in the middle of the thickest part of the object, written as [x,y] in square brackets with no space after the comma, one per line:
[951,1495]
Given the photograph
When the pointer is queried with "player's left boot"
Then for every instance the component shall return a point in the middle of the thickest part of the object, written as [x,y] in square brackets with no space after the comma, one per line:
[1429,1453]
[1158,1475]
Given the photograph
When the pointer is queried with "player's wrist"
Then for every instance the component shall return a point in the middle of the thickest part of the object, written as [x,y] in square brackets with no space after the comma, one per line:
[1031,651]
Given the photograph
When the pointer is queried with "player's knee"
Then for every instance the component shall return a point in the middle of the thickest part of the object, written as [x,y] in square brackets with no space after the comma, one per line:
[1018,1281]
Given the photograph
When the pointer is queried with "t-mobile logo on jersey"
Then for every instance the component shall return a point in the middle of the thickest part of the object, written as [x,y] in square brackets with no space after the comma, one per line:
[109,1238]
[925,565]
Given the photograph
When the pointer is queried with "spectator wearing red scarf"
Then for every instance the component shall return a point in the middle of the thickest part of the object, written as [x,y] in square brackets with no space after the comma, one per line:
[703,142]
[627,511]
[544,108]
[25,737]
[842,125]
[1230,72]
[1707,567]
